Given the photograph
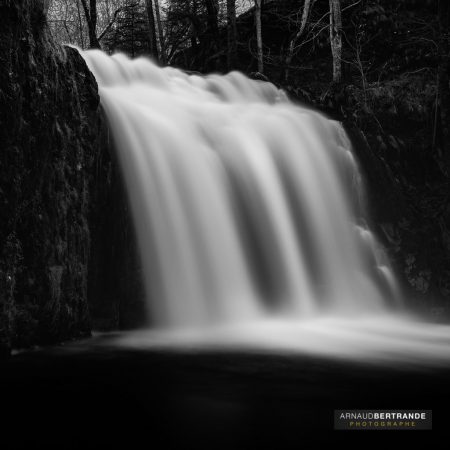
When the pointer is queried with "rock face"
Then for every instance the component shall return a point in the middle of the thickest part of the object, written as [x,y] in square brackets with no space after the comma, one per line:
[49,139]
[115,288]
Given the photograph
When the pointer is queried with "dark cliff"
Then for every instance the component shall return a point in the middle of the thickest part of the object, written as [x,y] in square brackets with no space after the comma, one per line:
[49,128]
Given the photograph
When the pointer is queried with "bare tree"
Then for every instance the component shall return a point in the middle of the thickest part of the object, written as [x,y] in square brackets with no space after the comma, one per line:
[336,39]
[153,46]
[80,24]
[232,34]
[90,13]
[162,44]
[46,6]
[259,41]
[67,19]
[212,17]
[307,7]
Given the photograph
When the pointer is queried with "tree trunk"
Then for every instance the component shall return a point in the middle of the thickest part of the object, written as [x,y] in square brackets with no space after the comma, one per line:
[162,44]
[93,26]
[108,10]
[305,15]
[91,20]
[259,41]
[336,39]
[153,46]
[46,6]
[213,23]
[232,34]
[80,25]
[443,81]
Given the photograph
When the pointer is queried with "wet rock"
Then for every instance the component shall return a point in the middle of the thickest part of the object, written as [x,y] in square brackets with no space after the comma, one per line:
[49,123]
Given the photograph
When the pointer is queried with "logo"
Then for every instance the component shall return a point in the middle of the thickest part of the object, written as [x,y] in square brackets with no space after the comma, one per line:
[380,419]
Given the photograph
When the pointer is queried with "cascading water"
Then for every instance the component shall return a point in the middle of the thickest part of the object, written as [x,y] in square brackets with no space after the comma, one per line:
[240,197]
[246,206]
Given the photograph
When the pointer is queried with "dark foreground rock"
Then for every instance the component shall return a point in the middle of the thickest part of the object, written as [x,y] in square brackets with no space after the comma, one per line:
[67,250]
[49,121]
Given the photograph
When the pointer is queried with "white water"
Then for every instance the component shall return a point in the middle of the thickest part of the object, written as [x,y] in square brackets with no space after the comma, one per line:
[248,209]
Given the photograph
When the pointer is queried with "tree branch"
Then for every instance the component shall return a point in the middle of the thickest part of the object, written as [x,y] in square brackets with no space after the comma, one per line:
[111,23]
[86,10]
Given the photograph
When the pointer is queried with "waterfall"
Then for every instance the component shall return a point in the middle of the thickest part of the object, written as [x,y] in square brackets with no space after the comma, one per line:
[246,205]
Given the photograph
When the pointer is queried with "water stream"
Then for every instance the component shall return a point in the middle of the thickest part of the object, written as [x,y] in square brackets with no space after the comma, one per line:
[250,216]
